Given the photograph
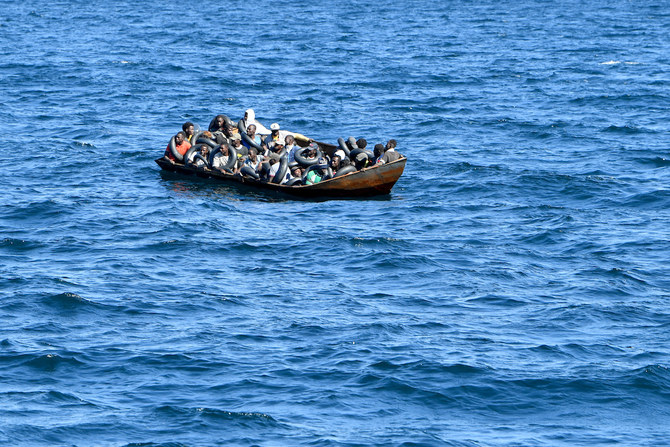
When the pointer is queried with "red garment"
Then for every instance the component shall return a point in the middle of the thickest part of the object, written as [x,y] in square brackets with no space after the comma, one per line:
[181,148]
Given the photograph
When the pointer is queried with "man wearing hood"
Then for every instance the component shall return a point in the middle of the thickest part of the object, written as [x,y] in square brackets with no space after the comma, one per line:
[250,118]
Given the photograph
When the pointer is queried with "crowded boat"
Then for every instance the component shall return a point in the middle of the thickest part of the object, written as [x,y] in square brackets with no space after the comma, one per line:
[249,150]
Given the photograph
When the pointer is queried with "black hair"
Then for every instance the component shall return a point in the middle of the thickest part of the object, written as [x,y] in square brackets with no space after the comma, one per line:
[361,143]
[186,125]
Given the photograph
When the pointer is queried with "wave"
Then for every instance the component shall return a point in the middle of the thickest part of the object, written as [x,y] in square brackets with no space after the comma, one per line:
[38,210]
[198,415]
[654,200]
[627,129]
[613,62]
[47,397]
[156,444]
[659,162]
[47,362]
[20,245]
[497,300]
[69,301]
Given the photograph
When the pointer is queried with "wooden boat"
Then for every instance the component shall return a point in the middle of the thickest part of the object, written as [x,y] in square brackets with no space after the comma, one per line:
[370,181]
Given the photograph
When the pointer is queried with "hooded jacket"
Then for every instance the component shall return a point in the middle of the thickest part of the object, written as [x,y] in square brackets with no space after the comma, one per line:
[251,119]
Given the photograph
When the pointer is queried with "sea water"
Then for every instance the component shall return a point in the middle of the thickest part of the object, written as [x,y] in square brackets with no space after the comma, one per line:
[512,290]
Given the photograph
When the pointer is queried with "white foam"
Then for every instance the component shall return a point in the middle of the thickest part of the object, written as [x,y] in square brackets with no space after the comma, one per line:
[619,62]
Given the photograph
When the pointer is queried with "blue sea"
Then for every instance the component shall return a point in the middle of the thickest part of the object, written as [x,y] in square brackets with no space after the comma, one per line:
[512,290]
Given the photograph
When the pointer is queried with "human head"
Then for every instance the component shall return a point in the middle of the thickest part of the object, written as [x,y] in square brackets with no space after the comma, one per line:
[188,128]
[219,121]
[251,130]
[179,138]
[379,149]
[224,149]
[278,146]
[391,144]
[289,140]
[249,115]
[361,143]
[204,150]
[236,140]
[296,171]
[274,127]
[252,153]
[335,162]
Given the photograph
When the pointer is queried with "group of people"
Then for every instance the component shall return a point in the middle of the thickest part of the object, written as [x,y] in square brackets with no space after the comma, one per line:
[271,155]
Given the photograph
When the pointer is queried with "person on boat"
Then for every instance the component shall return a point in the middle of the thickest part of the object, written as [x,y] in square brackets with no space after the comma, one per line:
[378,152]
[254,160]
[251,132]
[291,147]
[277,149]
[361,143]
[180,144]
[197,161]
[236,143]
[218,124]
[218,129]
[230,130]
[311,151]
[270,164]
[361,161]
[203,136]
[250,118]
[336,163]
[274,167]
[340,153]
[273,138]
[314,176]
[221,159]
[297,171]
[390,153]
[279,135]
[189,129]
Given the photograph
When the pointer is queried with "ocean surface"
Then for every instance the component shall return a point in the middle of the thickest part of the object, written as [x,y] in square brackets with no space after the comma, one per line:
[512,290]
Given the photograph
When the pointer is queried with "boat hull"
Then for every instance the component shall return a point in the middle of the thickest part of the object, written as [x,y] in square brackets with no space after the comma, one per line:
[372,181]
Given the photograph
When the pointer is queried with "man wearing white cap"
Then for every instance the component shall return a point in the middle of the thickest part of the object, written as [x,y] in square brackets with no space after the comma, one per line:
[274,137]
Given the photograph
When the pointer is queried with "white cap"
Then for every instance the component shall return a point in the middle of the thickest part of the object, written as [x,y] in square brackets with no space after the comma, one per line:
[274,126]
